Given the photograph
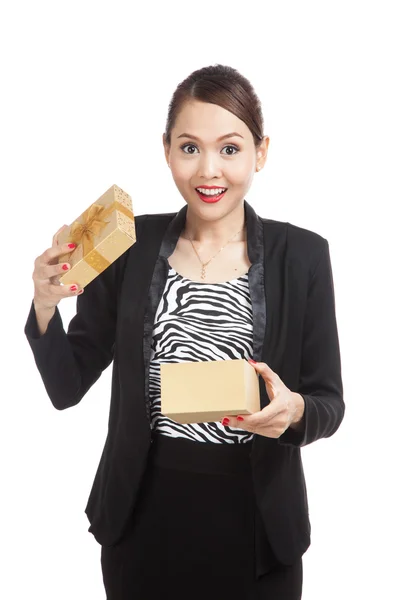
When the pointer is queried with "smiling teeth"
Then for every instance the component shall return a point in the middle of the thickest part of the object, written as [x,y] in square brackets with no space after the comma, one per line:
[211,192]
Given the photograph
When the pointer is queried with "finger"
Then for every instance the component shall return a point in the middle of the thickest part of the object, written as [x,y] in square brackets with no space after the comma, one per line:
[49,255]
[263,368]
[273,382]
[234,421]
[47,264]
[64,291]
[254,420]
[44,274]
[55,271]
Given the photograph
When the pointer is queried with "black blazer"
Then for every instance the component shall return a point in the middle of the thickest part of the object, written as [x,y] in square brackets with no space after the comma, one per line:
[295,333]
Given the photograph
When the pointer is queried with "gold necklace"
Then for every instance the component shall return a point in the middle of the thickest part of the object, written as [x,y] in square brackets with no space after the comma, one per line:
[203,265]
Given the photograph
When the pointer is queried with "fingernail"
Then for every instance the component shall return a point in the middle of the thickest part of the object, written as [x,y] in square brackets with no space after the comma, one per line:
[240,418]
[225,421]
[73,288]
[71,245]
[65,267]
[253,362]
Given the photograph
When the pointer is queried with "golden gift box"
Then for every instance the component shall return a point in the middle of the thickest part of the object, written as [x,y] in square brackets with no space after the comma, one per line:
[102,233]
[206,391]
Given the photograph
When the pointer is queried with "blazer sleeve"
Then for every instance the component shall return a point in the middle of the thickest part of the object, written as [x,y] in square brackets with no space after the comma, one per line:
[320,382]
[70,362]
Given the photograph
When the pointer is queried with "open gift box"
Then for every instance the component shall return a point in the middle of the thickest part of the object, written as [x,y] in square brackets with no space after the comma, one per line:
[206,391]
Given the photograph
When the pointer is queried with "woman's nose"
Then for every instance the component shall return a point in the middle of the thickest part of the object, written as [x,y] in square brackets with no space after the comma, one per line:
[209,167]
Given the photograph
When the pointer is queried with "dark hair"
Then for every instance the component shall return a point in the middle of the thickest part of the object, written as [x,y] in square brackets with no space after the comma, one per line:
[222,85]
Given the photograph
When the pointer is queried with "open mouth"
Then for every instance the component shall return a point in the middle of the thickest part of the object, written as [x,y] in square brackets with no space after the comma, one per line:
[213,196]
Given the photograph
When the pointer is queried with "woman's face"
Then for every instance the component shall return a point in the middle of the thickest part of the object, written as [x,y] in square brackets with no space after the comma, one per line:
[197,158]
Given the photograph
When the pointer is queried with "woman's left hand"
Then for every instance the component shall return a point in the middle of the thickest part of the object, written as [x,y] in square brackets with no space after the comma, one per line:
[285,410]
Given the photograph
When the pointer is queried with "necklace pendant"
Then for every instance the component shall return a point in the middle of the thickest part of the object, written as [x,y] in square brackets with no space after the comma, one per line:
[203,273]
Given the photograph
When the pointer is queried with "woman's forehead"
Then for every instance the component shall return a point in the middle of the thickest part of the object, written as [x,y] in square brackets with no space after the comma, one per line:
[207,122]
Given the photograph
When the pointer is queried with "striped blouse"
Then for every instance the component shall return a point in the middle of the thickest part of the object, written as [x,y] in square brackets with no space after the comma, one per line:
[198,321]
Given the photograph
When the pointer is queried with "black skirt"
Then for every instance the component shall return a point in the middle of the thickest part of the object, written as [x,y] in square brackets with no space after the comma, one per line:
[192,531]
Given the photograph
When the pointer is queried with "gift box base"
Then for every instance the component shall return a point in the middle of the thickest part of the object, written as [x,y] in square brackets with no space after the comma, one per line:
[204,392]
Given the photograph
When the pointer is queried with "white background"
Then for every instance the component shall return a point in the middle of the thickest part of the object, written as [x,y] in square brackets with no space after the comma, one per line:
[85,91]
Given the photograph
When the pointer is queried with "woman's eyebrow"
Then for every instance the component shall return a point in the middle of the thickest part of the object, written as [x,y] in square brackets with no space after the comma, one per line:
[227,135]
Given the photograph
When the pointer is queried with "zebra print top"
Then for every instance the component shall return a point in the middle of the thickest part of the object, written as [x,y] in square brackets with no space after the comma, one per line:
[199,321]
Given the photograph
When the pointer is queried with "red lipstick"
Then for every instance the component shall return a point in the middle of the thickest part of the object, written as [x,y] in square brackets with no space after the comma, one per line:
[211,199]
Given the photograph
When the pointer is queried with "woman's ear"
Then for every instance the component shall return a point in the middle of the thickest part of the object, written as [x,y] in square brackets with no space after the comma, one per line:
[262,152]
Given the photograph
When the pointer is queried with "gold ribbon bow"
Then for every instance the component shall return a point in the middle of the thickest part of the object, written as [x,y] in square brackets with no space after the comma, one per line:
[92,225]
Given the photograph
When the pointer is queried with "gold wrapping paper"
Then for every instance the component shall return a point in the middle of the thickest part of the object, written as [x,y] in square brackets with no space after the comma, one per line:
[102,233]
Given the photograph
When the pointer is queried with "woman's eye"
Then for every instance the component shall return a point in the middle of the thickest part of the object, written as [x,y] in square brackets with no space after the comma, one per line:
[193,146]
[230,146]
[188,146]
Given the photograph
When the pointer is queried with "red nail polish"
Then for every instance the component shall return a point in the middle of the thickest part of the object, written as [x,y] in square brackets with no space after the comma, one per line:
[71,245]
[65,267]
[253,362]
[240,418]
[73,288]
[225,421]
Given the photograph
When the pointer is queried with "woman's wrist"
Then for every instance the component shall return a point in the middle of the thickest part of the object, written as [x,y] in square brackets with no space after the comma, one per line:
[298,422]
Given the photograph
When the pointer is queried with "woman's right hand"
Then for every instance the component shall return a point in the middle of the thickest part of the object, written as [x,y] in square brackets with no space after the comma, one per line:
[48,291]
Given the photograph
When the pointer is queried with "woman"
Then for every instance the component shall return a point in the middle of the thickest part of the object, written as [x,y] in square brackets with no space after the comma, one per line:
[201,510]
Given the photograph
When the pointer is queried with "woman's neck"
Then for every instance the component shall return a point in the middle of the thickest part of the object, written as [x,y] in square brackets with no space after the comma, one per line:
[215,233]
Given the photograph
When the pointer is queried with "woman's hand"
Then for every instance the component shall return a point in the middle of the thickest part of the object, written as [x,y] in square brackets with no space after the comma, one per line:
[285,410]
[48,291]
